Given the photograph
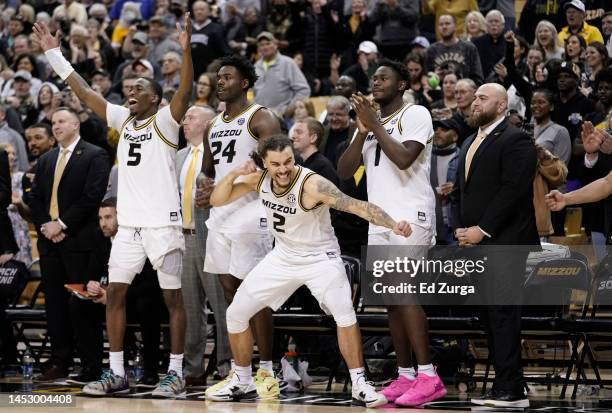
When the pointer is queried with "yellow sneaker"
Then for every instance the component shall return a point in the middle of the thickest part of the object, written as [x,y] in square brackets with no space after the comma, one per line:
[267,385]
[213,389]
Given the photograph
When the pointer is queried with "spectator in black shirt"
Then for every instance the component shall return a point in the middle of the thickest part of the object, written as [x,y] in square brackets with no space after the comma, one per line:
[306,135]
[491,46]
[340,129]
[207,39]
[367,63]
[465,90]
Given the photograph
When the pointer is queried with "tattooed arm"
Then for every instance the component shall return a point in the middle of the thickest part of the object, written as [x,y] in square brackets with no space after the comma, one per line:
[319,190]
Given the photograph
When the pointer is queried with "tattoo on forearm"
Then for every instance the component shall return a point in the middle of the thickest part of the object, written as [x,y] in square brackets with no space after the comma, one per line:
[366,210]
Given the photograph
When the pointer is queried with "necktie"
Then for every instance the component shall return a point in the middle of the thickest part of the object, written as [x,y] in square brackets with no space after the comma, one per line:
[472,150]
[358,175]
[188,188]
[57,177]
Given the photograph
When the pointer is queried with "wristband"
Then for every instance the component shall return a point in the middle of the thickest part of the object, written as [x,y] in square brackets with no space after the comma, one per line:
[60,65]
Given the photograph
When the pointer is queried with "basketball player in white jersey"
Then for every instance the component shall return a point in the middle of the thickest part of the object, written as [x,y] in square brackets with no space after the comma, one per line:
[148,206]
[396,147]
[238,236]
[306,252]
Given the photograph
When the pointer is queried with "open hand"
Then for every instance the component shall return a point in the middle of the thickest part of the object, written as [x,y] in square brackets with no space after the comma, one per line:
[365,111]
[184,36]
[43,36]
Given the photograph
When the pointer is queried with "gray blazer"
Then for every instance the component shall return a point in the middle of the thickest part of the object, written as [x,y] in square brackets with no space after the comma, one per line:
[200,215]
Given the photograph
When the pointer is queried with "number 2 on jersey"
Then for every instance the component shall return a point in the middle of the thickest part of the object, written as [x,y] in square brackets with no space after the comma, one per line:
[279,221]
[228,152]
[133,154]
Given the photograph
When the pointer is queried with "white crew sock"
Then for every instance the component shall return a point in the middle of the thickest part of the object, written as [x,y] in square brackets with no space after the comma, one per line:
[427,369]
[407,372]
[356,375]
[176,364]
[267,365]
[116,363]
[244,373]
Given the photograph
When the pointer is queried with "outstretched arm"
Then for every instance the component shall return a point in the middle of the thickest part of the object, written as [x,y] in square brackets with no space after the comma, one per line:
[320,189]
[593,192]
[50,45]
[227,190]
[180,100]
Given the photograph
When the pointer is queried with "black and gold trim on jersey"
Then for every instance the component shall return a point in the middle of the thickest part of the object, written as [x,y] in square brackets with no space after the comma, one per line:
[222,115]
[293,182]
[163,138]
[261,179]
[391,116]
[399,122]
[144,125]
[125,124]
[249,124]
[301,192]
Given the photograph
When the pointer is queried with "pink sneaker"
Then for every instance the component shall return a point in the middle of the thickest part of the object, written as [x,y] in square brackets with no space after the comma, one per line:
[397,387]
[426,389]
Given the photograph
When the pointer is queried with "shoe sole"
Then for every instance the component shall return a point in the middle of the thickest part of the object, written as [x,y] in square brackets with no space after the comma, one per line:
[231,398]
[169,395]
[478,402]
[497,403]
[375,403]
[437,395]
[102,393]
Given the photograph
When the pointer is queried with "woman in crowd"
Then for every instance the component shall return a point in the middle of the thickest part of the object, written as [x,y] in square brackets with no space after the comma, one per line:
[535,56]
[20,225]
[475,25]
[575,46]
[206,87]
[547,39]
[48,100]
[548,134]
[303,109]
[596,59]
[444,108]
[415,62]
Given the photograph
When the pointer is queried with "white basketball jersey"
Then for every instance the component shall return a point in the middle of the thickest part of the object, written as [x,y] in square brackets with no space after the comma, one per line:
[404,194]
[147,188]
[296,229]
[231,143]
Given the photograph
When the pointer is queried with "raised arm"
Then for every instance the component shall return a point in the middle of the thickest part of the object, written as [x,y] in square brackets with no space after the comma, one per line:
[51,46]
[227,190]
[319,189]
[180,100]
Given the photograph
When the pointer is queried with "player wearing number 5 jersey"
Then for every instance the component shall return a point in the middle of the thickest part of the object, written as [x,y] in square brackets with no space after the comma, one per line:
[148,207]
[238,236]
[306,252]
[396,146]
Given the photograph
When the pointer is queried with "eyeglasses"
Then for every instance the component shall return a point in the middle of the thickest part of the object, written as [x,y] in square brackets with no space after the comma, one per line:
[203,84]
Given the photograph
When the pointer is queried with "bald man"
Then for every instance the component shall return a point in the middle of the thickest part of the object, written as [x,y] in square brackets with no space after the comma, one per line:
[494,206]
[197,286]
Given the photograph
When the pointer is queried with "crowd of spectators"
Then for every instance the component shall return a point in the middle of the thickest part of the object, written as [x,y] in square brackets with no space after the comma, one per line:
[553,58]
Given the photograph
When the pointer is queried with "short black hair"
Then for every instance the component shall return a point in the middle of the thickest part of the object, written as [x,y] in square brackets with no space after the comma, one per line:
[44,126]
[110,202]
[549,95]
[604,75]
[397,67]
[243,65]
[275,143]
[157,89]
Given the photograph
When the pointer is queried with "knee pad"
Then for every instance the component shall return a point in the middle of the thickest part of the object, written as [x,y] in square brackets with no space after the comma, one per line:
[340,307]
[240,312]
[172,263]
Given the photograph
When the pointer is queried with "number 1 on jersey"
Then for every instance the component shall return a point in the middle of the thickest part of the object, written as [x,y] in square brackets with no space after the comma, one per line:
[377,156]
[228,152]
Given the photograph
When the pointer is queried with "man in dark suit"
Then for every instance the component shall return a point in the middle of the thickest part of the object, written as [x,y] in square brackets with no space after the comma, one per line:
[8,246]
[69,184]
[494,206]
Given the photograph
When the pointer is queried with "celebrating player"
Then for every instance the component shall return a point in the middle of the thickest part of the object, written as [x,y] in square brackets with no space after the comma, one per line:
[148,207]
[396,148]
[238,236]
[306,252]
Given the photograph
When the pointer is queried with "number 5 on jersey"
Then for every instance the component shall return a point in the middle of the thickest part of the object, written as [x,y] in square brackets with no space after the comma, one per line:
[228,152]
[134,154]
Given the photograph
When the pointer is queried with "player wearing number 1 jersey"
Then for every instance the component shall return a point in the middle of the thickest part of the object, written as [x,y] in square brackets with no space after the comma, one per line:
[396,148]
[148,207]
[238,236]
[306,252]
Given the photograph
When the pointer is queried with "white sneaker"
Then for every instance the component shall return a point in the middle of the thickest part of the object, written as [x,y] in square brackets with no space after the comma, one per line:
[364,394]
[233,390]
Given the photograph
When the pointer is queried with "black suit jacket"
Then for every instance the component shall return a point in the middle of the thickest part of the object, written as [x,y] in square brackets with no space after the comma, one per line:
[7,238]
[498,193]
[80,192]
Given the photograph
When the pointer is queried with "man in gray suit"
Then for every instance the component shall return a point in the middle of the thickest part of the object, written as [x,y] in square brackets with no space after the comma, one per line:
[197,285]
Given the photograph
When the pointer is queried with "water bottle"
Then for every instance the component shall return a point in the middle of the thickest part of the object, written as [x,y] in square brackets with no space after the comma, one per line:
[292,356]
[28,365]
[138,366]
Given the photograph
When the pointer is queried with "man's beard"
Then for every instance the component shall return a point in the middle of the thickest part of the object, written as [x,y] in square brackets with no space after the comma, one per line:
[483,118]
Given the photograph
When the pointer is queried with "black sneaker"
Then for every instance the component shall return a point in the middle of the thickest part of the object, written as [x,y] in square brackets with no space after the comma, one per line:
[502,398]
[480,400]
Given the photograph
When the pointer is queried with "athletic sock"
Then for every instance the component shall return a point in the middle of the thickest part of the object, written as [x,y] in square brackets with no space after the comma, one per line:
[116,363]
[244,373]
[407,372]
[356,375]
[267,365]
[232,365]
[176,364]
[427,369]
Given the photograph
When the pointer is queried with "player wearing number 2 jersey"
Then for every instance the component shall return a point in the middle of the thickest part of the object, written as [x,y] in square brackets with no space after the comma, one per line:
[238,236]
[306,252]
[396,148]
[148,207]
